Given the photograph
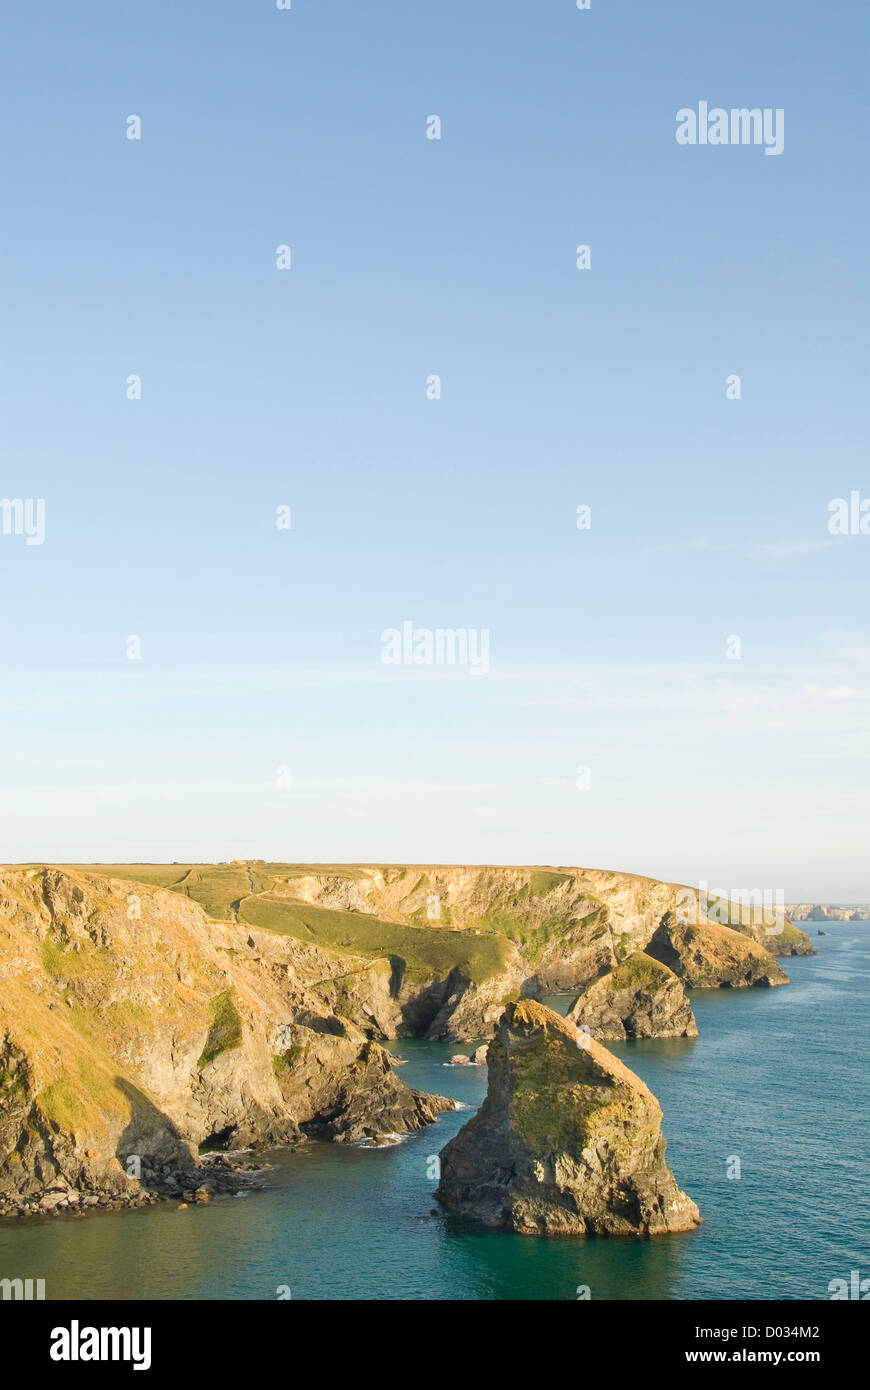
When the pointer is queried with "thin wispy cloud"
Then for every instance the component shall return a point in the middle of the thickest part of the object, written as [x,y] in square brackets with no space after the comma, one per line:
[795,549]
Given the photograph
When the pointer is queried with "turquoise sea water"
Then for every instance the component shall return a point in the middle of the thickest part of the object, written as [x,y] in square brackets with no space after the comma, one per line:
[777,1079]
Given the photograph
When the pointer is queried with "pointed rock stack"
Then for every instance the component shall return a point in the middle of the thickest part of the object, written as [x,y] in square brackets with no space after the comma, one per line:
[567,1142]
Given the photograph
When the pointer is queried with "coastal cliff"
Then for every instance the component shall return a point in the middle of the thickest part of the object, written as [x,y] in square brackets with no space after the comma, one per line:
[152,1019]
[436,951]
[467,940]
[134,1029]
[567,1142]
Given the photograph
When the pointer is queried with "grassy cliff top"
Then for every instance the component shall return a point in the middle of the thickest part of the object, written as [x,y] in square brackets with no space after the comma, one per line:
[639,970]
[424,950]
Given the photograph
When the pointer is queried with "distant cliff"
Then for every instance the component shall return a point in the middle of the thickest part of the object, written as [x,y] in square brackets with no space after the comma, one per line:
[829,912]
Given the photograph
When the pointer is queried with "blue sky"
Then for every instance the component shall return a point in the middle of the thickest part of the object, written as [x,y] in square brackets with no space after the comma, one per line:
[261,648]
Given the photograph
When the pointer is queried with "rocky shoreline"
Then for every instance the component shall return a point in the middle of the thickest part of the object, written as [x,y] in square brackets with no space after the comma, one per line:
[193,1186]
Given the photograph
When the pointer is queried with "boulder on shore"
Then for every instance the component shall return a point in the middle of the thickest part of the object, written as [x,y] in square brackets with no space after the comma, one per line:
[567,1142]
[641,998]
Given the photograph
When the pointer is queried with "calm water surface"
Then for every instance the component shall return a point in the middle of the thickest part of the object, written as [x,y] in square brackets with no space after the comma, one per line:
[778,1079]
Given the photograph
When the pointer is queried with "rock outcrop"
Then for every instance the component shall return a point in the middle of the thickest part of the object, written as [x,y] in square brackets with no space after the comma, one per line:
[360,991]
[567,1142]
[641,998]
[707,956]
[134,1029]
[829,912]
[471,1009]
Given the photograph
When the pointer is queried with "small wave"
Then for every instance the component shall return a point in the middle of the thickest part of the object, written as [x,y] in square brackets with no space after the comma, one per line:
[383,1141]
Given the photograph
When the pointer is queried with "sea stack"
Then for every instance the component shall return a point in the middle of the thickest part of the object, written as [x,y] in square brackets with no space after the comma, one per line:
[641,998]
[567,1142]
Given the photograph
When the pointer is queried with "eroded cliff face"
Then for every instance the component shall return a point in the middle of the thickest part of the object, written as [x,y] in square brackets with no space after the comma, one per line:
[641,998]
[568,926]
[134,1029]
[567,1142]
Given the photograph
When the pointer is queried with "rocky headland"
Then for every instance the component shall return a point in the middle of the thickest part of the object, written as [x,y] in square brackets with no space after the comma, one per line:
[707,956]
[436,951]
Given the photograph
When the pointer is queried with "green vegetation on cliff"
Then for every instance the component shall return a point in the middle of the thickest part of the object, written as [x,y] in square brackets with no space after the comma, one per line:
[225,1031]
[638,970]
